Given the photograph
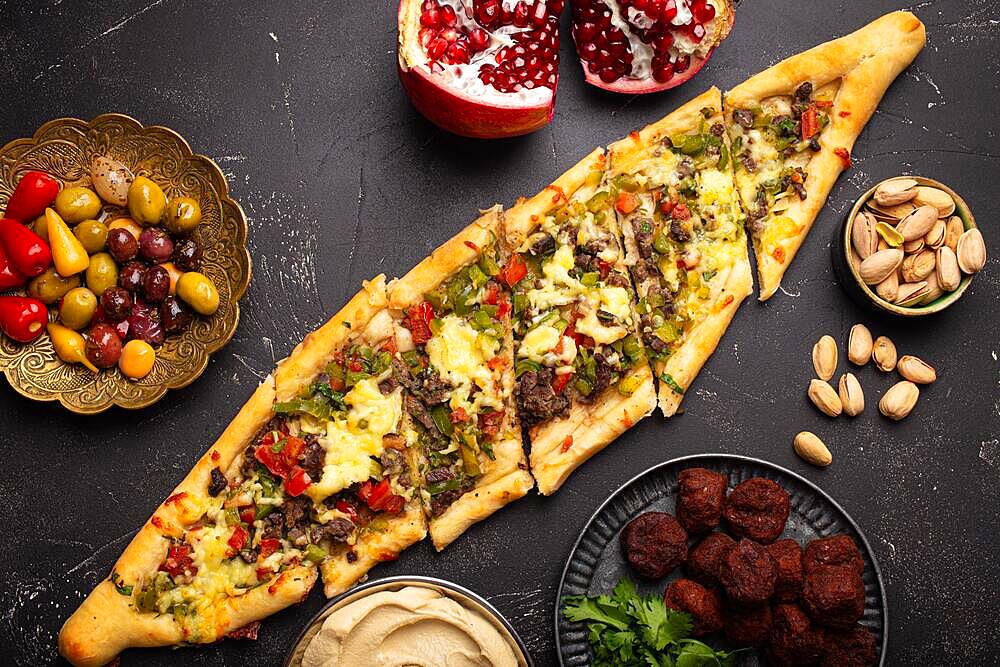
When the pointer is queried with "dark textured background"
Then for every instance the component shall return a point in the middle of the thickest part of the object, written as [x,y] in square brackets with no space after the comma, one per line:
[299,104]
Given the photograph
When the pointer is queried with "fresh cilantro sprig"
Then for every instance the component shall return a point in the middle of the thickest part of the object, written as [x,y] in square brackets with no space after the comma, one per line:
[626,629]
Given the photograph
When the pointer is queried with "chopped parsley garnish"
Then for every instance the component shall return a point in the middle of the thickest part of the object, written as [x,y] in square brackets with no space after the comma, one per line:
[669,380]
[120,586]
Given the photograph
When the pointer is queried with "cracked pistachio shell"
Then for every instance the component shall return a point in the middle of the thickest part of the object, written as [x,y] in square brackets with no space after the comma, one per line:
[895,191]
[933,290]
[917,267]
[880,265]
[911,294]
[935,237]
[884,354]
[825,398]
[889,288]
[948,274]
[939,199]
[971,251]
[918,223]
[863,236]
[851,395]
[953,231]
[916,370]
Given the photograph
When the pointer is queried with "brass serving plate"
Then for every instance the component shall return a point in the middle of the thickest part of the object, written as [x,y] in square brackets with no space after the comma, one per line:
[64,148]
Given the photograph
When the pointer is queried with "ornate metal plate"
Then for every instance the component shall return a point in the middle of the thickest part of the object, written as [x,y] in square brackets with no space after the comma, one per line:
[64,148]
[596,563]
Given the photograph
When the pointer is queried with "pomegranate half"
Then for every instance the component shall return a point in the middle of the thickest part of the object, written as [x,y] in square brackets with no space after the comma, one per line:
[481,68]
[643,46]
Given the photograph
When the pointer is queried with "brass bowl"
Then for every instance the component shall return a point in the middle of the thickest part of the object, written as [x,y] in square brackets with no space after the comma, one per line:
[846,266]
[64,148]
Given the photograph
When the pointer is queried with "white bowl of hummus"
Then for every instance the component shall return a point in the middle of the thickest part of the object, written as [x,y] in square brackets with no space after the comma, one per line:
[404,621]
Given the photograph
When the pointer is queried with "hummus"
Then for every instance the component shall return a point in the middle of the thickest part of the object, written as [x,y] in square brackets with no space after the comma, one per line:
[413,626]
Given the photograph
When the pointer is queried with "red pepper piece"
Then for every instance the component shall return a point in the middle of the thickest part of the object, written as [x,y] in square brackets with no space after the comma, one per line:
[268,546]
[503,309]
[845,157]
[489,422]
[514,271]
[34,193]
[297,482]
[681,212]
[459,415]
[179,561]
[10,277]
[348,509]
[559,382]
[22,318]
[492,294]
[418,321]
[626,202]
[248,631]
[810,122]
[248,514]
[380,497]
[238,539]
[26,250]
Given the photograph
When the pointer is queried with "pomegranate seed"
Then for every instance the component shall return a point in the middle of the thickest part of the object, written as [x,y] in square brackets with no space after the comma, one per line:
[447,15]
[663,73]
[608,75]
[556,6]
[663,42]
[539,15]
[682,63]
[426,35]
[521,15]
[479,39]
[588,50]
[669,10]
[450,34]
[487,12]
[702,11]
[437,48]
[586,32]
[696,31]
[458,52]
[431,18]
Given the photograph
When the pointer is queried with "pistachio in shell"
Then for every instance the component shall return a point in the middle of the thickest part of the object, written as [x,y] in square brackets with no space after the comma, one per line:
[939,199]
[933,290]
[824,357]
[918,266]
[889,288]
[935,237]
[884,354]
[953,231]
[916,225]
[859,345]
[851,395]
[812,450]
[863,236]
[891,213]
[971,251]
[916,245]
[899,400]
[880,265]
[916,370]
[895,191]
[948,274]
[911,294]
[825,398]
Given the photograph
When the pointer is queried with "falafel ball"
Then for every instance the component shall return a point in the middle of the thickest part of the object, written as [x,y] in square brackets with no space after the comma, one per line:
[758,509]
[787,555]
[654,544]
[794,639]
[748,626]
[748,573]
[700,494]
[704,606]
[849,648]
[705,558]
[834,596]
[836,550]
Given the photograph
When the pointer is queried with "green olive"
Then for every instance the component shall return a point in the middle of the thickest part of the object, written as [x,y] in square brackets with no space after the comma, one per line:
[183,215]
[102,273]
[146,201]
[92,235]
[50,286]
[41,227]
[199,292]
[76,204]
[77,308]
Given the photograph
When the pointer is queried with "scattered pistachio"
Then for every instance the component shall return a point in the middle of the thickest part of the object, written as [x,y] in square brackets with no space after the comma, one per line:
[898,402]
[824,357]
[859,345]
[884,354]
[825,398]
[916,370]
[852,398]
[811,449]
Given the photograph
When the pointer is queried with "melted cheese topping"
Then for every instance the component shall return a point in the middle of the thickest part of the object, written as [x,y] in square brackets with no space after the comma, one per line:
[351,442]
[538,342]
[460,353]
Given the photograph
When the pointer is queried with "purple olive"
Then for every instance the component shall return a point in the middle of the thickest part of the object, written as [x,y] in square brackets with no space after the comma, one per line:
[156,284]
[155,245]
[104,347]
[174,315]
[187,255]
[117,304]
[122,245]
[131,275]
[144,325]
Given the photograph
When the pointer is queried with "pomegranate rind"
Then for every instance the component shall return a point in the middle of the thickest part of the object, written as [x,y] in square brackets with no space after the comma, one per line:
[727,19]
[448,107]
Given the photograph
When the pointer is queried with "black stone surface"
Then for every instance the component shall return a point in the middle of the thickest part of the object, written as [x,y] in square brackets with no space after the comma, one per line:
[300,105]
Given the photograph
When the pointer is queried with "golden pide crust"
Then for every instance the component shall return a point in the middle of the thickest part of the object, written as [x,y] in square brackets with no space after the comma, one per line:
[107,622]
[733,283]
[865,62]
[559,446]
[506,478]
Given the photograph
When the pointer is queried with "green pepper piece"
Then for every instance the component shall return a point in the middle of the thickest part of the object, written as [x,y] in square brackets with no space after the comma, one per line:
[598,201]
[477,276]
[315,554]
[441,487]
[481,320]
[583,386]
[232,516]
[723,157]
[180,611]
[412,359]
[628,385]
[590,278]
[667,332]
[521,303]
[469,461]
[737,144]
[525,365]
[626,183]
[669,380]
[594,177]
[442,419]
[661,243]
[488,265]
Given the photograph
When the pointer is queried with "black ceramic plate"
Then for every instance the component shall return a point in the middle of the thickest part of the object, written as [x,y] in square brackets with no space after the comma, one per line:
[596,562]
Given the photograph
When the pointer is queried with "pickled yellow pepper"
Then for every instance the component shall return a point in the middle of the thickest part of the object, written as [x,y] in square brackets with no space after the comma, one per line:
[69,345]
[68,254]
